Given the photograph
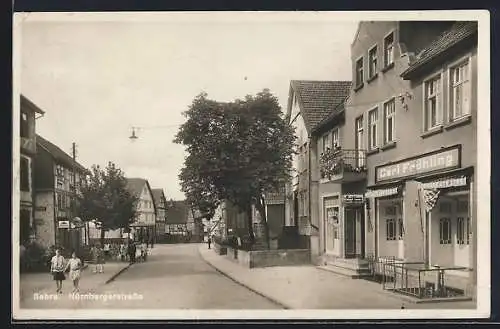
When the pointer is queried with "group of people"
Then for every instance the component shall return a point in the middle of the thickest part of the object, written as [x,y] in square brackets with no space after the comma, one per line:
[133,251]
[59,266]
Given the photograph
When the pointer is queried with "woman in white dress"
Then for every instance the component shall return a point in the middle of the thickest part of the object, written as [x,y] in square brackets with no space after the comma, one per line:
[75,267]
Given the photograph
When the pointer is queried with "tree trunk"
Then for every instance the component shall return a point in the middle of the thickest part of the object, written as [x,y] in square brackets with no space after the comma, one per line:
[261,208]
[251,233]
[103,234]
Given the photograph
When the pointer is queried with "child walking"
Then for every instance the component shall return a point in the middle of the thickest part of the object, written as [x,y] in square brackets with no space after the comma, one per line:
[57,266]
[75,267]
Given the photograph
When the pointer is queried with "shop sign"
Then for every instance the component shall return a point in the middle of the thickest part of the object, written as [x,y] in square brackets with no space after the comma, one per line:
[353,198]
[440,160]
[446,183]
[382,192]
[63,224]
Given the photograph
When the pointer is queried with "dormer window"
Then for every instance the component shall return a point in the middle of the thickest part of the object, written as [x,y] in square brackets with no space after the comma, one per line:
[359,73]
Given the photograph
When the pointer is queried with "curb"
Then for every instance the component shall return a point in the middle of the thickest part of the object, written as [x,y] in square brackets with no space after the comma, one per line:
[114,276]
[274,301]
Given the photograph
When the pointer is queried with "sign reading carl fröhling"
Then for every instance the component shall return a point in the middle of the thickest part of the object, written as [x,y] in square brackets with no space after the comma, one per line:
[440,160]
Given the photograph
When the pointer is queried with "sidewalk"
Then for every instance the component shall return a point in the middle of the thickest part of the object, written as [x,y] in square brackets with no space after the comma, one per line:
[42,283]
[307,287]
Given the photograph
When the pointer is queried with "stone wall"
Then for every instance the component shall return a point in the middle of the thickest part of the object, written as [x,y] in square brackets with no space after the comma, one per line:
[268,258]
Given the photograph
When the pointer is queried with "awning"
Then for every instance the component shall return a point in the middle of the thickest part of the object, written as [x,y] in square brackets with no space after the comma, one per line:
[379,193]
[446,182]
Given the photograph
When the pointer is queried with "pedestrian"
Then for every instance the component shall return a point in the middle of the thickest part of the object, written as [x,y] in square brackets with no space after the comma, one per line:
[57,268]
[94,254]
[75,266]
[209,242]
[131,251]
[100,259]
[144,251]
[106,251]
[123,252]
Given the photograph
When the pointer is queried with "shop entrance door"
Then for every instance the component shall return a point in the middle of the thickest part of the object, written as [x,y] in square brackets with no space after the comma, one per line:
[350,232]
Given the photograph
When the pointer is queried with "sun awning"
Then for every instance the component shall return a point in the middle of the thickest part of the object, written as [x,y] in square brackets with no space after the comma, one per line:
[446,182]
[382,192]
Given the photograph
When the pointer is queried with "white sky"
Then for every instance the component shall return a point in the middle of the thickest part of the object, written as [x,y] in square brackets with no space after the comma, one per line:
[96,79]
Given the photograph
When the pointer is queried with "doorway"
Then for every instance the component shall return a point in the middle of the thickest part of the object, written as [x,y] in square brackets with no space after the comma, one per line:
[354,232]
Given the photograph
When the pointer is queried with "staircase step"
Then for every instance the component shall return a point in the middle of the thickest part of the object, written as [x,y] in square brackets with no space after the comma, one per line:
[353,274]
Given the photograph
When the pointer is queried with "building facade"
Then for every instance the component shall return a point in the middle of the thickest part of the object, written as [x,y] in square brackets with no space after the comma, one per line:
[161,203]
[309,103]
[57,182]
[143,227]
[413,108]
[28,116]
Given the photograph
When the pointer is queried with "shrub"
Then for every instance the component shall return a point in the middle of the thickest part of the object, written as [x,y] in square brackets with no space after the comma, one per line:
[35,258]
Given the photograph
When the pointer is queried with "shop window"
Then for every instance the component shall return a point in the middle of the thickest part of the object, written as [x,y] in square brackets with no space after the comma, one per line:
[401,229]
[462,206]
[390,229]
[468,230]
[445,207]
[444,231]
[460,91]
[25,175]
[461,230]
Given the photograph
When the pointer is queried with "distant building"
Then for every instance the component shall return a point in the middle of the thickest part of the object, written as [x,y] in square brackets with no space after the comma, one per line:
[161,204]
[176,219]
[57,182]
[26,167]
[143,227]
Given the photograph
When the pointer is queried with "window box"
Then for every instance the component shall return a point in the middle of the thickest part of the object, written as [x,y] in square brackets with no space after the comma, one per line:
[358,87]
[388,146]
[459,122]
[370,79]
[372,151]
[388,67]
[433,131]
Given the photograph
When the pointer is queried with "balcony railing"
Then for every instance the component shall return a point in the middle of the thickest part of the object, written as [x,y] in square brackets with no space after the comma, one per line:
[336,164]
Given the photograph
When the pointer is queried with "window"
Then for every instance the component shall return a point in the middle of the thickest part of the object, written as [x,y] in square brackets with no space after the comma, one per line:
[444,231]
[359,72]
[460,91]
[24,125]
[432,106]
[389,50]
[401,229]
[390,122]
[360,140]
[372,62]
[372,126]
[25,175]
[468,230]
[461,230]
[390,229]
[335,138]
[326,142]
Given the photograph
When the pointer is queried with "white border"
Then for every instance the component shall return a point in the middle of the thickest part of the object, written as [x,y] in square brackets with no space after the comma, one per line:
[482,172]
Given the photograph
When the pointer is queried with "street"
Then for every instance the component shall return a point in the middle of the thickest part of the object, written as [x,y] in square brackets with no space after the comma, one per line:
[174,277]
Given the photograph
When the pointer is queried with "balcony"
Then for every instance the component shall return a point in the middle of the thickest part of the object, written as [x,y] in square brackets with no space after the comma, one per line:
[343,166]
[28,145]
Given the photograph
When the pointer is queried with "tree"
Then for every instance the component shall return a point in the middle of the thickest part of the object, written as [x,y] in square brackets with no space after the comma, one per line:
[105,197]
[237,151]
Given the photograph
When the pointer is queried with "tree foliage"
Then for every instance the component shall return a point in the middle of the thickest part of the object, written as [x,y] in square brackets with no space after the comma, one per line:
[105,197]
[237,151]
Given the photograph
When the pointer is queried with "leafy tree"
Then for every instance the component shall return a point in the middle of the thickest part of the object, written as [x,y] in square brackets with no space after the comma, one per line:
[237,151]
[105,197]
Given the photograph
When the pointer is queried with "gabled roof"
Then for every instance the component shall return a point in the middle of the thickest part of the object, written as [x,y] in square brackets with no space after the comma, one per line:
[58,154]
[26,103]
[158,195]
[330,118]
[317,99]
[459,32]
[177,213]
[136,185]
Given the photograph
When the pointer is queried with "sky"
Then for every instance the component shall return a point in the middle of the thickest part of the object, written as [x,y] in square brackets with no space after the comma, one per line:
[96,77]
